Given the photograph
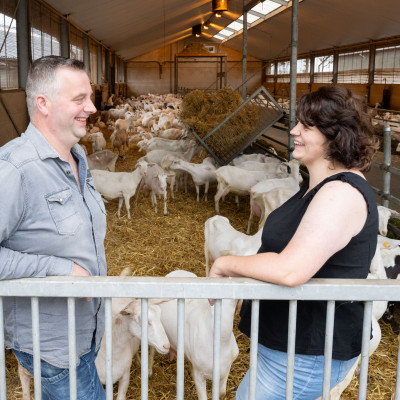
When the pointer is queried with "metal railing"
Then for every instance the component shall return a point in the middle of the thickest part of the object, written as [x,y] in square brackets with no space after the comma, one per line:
[145,288]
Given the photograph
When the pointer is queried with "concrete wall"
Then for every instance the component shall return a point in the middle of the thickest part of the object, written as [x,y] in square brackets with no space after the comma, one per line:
[13,115]
[154,72]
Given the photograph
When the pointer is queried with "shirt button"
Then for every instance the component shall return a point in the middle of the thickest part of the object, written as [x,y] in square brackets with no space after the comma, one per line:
[61,200]
[68,172]
[83,167]
[87,180]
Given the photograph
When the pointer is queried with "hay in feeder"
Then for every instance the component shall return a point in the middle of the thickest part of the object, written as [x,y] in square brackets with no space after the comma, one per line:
[203,112]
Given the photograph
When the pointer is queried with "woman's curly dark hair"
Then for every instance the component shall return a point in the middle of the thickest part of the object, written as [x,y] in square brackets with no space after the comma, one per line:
[343,119]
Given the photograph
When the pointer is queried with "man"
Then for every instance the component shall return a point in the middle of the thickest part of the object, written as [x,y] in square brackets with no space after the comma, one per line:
[53,222]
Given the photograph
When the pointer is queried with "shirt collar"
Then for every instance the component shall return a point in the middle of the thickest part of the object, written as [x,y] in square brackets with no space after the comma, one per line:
[43,147]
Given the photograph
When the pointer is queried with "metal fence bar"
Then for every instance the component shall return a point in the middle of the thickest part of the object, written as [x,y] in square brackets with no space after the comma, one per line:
[108,339]
[37,375]
[201,288]
[72,348]
[366,335]
[255,309]
[180,351]
[330,318]
[144,350]
[216,349]
[397,389]
[3,387]
[291,349]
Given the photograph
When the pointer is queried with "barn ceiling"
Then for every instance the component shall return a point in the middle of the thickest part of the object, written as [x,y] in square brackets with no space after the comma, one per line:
[132,28]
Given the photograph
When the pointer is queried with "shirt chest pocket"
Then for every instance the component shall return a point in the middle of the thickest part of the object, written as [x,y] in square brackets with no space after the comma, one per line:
[64,212]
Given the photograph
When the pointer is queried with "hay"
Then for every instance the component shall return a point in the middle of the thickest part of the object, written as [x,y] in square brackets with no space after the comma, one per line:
[204,111]
[154,245]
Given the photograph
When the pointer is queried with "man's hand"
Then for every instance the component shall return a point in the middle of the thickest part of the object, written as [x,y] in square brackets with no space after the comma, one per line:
[77,270]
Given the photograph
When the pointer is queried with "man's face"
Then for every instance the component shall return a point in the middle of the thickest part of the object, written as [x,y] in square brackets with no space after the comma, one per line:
[68,112]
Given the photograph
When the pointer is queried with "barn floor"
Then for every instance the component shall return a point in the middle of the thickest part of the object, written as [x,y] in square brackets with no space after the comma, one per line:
[154,245]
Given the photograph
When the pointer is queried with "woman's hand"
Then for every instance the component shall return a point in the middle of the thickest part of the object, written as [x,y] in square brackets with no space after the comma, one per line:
[217,271]
[218,268]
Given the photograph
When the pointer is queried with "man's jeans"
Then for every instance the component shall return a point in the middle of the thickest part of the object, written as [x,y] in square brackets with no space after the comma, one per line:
[55,381]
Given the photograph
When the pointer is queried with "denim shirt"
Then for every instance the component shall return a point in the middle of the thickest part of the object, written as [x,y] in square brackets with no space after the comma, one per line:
[46,224]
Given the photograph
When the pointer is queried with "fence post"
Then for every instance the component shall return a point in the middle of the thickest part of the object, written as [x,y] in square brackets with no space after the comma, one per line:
[387,156]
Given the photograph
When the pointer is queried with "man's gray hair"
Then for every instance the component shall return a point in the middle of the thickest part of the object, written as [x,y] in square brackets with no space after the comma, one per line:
[42,78]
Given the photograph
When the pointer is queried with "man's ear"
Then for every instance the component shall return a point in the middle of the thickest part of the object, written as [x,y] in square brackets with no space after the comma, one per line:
[42,104]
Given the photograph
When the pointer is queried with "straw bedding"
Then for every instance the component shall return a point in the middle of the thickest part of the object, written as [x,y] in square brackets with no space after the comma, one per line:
[153,245]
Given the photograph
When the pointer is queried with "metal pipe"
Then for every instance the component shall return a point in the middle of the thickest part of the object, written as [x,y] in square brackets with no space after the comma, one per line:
[108,339]
[366,337]
[64,38]
[86,54]
[216,349]
[144,362]
[72,348]
[255,310]
[387,156]
[37,374]
[291,349]
[23,43]
[99,64]
[244,62]
[330,316]
[293,73]
[180,351]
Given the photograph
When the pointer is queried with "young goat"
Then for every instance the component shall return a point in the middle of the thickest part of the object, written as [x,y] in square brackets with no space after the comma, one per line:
[119,184]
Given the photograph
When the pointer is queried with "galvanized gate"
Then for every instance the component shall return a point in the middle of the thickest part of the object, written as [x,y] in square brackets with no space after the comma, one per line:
[242,127]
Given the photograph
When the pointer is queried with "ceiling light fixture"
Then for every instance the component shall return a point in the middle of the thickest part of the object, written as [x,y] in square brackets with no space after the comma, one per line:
[218,15]
[219,5]
[196,30]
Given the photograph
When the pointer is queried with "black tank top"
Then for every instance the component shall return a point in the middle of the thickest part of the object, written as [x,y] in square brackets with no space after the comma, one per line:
[353,261]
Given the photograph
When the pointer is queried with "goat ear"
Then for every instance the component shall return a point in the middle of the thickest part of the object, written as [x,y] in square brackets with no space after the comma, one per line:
[133,308]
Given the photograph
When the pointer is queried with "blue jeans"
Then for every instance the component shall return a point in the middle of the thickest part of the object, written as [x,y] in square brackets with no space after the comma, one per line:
[55,380]
[308,376]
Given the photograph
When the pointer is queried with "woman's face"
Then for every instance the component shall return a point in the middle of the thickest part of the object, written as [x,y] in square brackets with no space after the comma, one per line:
[309,144]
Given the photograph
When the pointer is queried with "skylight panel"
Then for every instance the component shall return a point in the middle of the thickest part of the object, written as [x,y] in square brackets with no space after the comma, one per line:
[226,32]
[236,25]
[217,36]
[266,7]
[250,18]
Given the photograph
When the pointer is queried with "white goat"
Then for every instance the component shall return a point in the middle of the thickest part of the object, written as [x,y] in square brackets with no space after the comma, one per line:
[126,337]
[104,159]
[119,184]
[164,144]
[201,174]
[240,181]
[262,204]
[199,331]
[221,239]
[251,157]
[98,141]
[156,156]
[155,183]
[171,133]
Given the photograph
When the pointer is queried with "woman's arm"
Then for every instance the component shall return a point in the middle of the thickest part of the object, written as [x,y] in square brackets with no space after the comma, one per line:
[335,215]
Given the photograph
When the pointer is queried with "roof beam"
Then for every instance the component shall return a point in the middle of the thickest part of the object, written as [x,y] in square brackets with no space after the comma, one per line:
[281,2]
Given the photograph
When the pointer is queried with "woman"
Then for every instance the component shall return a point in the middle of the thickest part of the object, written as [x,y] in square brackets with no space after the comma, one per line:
[327,230]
